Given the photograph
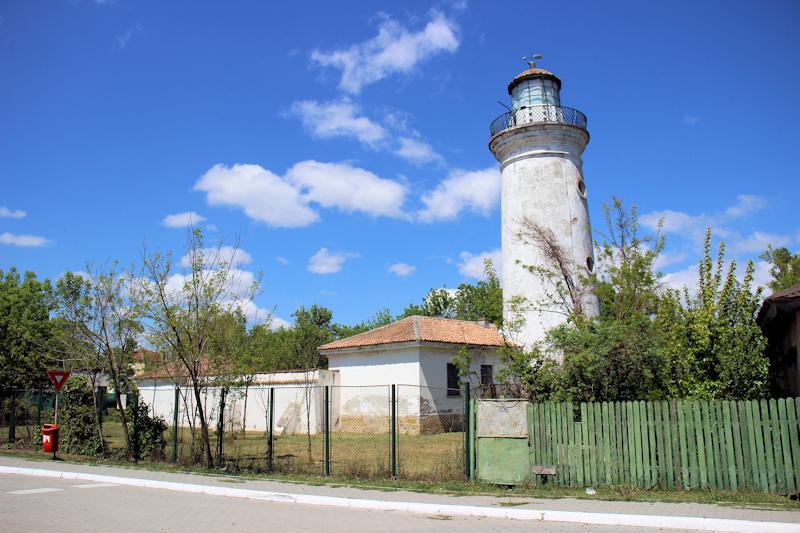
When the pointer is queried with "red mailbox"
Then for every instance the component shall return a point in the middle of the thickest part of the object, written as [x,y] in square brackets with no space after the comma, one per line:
[50,438]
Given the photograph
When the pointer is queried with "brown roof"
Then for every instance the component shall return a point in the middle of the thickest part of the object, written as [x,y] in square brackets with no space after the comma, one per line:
[786,299]
[423,328]
[534,72]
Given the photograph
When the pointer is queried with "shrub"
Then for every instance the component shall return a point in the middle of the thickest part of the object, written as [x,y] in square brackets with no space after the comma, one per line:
[147,433]
[77,419]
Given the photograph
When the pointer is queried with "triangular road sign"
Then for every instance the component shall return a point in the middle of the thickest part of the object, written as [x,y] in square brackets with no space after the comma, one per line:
[58,377]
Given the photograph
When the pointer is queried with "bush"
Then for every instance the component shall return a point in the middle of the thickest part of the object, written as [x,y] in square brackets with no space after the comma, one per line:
[77,419]
[147,433]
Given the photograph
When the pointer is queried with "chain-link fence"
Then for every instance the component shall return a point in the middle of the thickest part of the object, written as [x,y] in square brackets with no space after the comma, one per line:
[404,431]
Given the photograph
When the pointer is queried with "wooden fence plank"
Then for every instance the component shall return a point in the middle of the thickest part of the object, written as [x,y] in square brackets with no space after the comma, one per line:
[598,435]
[565,442]
[651,431]
[579,468]
[793,411]
[533,431]
[761,459]
[670,438]
[730,445]
[700,446]
[786,447]
[604,421]
[751,449]
[766,431]
[637,444]
[708,444]
[612,442]
[659,447]
[738,445]
[775,432]
[718,434]
[593,460]
[684,447]
[626,453]
[587,476]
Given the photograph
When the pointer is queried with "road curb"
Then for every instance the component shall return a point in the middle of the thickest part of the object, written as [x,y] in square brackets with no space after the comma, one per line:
[606,519]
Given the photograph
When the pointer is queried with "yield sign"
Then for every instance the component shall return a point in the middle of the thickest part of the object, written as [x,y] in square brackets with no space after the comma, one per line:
[58,377]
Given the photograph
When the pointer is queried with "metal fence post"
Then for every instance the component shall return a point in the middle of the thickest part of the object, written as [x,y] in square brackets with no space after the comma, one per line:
[12,418]
[221,427]
[326,421]
[175,426]
[39,410]
[133,401]
[393,410]
[467,435]
[270,436]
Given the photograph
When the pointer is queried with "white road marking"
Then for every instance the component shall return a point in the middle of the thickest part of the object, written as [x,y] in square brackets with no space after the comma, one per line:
[94,486]
[34,491]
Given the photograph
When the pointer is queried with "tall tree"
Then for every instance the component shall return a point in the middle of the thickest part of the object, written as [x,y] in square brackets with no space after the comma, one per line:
[785,270]
[182,307]
[25,329]
[101,327]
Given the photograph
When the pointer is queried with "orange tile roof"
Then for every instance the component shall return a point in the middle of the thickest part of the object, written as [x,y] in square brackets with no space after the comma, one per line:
[423,329]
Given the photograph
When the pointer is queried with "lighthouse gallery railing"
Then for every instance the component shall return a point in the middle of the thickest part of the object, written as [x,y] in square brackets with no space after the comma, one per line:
[538,114]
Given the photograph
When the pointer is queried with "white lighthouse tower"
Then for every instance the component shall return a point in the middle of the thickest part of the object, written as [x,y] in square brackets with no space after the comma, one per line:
[539,145]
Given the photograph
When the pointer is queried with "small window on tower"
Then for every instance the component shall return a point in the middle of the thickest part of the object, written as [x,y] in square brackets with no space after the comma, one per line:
[590,264]
[582,188]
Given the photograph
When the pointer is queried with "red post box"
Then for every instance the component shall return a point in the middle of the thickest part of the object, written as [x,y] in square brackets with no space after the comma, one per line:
[50,438]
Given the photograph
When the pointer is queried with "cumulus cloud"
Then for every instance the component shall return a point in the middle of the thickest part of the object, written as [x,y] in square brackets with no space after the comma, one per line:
[228,256]
[262,195]
[340,118]
[348,188]
[11,213]
[474,265]
[326,262]
[416,151]
[758,241]
[285,201]
[477,191]
[693,227]
[25,241]
[182,220]
[402,269]
[394,49]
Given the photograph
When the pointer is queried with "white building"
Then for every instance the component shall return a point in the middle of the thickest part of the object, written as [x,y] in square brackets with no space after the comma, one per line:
[414,354]
[539,145]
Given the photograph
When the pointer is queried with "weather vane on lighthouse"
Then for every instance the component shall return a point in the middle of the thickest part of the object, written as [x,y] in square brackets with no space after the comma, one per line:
[531,60]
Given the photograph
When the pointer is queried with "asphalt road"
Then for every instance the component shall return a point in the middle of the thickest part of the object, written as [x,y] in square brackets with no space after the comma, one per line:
[33,504]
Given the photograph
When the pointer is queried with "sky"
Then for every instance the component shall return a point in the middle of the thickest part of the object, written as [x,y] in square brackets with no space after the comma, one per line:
[343,145]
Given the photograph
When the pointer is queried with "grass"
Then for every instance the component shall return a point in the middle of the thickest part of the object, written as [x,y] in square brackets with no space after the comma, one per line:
[428,463]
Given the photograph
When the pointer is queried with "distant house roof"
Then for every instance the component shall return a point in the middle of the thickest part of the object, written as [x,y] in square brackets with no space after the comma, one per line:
[423,329]
[785,300]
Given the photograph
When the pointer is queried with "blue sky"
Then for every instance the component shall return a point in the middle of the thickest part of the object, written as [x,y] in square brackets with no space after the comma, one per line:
[345,144]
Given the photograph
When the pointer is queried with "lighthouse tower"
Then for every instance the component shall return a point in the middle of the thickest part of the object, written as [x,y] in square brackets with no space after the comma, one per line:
[539,145]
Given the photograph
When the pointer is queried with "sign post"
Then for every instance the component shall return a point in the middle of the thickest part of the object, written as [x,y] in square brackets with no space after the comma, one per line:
[58,377]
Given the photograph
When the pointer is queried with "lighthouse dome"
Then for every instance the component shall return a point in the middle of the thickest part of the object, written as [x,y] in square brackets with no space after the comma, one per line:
[534,86]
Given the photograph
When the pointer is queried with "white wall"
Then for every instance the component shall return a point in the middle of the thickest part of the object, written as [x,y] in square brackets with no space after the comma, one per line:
[295,393]
[365,375]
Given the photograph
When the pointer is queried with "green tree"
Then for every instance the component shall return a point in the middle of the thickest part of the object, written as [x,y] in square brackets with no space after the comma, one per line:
[483,300]
[25,329]
[381,318]
[785,270]
[715,347]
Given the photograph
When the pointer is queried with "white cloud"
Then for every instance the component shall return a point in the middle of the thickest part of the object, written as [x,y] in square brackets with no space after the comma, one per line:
[416,151]
[402,269]
[11,213]
[124,38]
[182,220]
[665,259]
[348,188]
[227,255]
[282,260]
[394,49]
[325,262]
[477,191]
[758,241]
[473,265]
[26,241]
[690,120]
[262,195]
[338,119]
[693,227]
[285,201]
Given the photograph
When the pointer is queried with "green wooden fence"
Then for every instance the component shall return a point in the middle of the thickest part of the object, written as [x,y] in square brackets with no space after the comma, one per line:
[678,444]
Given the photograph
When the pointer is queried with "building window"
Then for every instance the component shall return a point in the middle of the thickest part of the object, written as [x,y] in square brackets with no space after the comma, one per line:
[487,375]
[453,388]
